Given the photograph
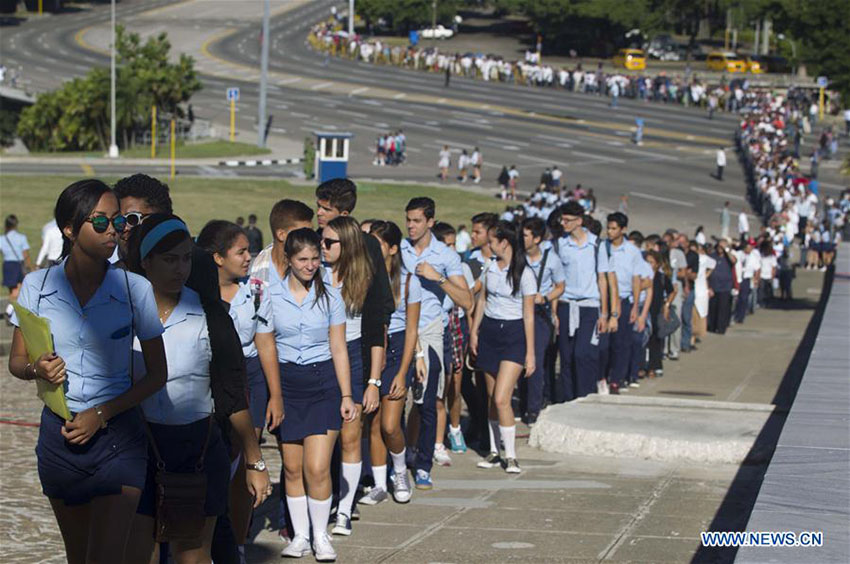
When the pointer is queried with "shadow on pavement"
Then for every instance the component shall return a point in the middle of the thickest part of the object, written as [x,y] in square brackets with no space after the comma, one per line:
[734,512]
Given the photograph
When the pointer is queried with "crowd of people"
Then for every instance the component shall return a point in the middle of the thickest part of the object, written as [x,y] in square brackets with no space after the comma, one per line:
[390,149]
[178,352]
[468,163]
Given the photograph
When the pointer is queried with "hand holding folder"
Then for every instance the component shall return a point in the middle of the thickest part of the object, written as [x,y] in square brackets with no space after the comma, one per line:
[39,340]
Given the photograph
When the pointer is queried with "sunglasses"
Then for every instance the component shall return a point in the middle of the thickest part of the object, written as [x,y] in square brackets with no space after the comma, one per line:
[134,219]
[100,223]
[328,243]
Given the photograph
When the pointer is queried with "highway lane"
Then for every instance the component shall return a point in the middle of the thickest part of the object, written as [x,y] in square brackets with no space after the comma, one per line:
[665,177]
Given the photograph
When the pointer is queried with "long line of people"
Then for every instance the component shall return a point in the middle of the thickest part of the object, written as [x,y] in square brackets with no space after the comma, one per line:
[329,336]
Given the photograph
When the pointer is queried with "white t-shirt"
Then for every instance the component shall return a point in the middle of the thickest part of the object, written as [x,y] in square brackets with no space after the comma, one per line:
[500,303]
[768,264]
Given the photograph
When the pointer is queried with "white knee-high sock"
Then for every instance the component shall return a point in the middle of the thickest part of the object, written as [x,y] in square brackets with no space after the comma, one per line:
[380,475]
[350,476]
[399,462]
[494,436]
[320,512]
[298,515]
[509,438]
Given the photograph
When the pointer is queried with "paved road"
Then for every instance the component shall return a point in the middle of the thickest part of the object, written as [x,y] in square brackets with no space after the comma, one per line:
[667,178]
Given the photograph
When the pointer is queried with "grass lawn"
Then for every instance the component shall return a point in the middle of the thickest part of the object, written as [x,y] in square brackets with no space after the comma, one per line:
[208,149]
[198,200]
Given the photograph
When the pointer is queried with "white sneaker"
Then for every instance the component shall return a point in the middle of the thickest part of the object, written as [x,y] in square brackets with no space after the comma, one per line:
[441,455]
[323,549]
[602,387]
[401,487]
[297,547]
[374,497]
[634,385]
[342,526]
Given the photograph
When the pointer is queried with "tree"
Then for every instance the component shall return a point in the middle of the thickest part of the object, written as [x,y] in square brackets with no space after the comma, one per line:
[406,15]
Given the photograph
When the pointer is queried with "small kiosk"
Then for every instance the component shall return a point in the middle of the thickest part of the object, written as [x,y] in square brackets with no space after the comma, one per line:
[332,149]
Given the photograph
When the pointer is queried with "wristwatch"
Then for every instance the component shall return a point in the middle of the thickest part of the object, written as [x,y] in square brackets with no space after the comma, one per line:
[259,466]
[615,315]
[374,382]
[442,280]
[99,410]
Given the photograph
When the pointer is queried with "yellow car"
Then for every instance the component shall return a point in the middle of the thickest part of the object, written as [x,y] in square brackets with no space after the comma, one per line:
[725,61]
[632,59]
[755,66]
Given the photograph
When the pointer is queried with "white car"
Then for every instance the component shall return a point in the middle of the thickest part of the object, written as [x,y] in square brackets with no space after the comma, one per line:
[439,32]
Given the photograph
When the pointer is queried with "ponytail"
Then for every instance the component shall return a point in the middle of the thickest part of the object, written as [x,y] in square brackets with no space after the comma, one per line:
[507,231]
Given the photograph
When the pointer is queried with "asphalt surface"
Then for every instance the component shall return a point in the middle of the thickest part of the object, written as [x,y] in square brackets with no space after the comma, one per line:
[667,179]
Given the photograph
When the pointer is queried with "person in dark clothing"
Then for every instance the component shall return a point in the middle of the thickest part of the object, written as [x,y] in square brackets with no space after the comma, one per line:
[663,294]
[255,236]
[720,284]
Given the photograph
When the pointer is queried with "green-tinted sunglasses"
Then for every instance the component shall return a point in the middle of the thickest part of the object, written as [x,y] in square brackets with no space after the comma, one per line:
[100,223]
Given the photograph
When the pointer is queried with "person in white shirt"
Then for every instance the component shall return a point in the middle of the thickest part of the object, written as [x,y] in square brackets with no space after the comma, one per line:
[767,273]
[476,161]
[743,225]
[721,162]
[502,336]
[51,245]
[445,162]
[749,278]
[462,165]
[464,240]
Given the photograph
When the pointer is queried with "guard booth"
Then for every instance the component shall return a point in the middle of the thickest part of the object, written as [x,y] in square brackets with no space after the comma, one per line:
[332,150]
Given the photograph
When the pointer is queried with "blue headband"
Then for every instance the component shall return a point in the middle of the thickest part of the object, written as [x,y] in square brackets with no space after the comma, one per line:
[156,234]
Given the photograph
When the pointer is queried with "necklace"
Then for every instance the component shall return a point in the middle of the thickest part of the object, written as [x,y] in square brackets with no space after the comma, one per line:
[164,315]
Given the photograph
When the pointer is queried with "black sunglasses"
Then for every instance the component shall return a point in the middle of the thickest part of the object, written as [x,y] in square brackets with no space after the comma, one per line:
[134,219]
[328,243]
[100,223]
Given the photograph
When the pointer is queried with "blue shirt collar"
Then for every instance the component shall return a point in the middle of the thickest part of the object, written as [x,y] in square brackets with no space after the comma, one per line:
[113,286]
[591,239]
[189,305]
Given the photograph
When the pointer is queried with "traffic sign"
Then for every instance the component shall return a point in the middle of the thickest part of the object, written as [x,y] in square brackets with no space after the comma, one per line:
[822,82]
[233,94]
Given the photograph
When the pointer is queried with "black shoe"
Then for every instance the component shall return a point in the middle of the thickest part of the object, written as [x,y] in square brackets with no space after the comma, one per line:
[614,388]
[531,419]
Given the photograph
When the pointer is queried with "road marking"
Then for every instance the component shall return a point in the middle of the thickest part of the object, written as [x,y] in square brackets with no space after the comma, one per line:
[716,193]
[359,91]
[600,157]
[549,162]
[292,80]
[665,200]
[421,125]
[470,124]
[555,139]
[350,113]
[648,154]
[615,143]
[321,85]
[298,114]
[508,141]
[399,96]
[88,170]
[400,112]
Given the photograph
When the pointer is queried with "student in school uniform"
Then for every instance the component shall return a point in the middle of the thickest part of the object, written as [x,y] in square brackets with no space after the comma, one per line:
[549,280]
[643,326]
[402,334]
[502,336]
[308,321]
[268,268]
[440,273]
[229,247]
[583,307]
[182,434]
[350,271]
[92,468]
[16,259]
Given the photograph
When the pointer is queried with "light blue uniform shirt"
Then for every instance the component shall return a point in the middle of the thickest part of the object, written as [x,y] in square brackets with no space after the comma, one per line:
[500,303]
[353,323]
[445,261]
[580,269]
[12,245]
[248,311]
[94,340]
[625,262]
[645,273]
[553,273]
[448,303]
[398,319]
[186,396]
[301,330]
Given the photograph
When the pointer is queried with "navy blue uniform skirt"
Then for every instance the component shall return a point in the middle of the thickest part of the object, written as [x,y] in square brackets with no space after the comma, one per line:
[180,446]
[355,360]
[112,458]
[13,273]
[500,340]
[395,350]
[311,400]
[258,391]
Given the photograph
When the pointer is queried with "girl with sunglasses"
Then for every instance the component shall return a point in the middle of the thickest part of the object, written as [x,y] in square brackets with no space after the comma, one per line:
[502,335]
[179,418]
[308,321]
[248,307]
[351,273]
[92,467]
[385,425]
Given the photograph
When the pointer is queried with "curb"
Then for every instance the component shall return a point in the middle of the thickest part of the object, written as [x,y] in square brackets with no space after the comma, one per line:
[266,162]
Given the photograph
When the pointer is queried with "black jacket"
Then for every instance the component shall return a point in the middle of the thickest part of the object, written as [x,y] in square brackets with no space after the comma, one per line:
[378,305]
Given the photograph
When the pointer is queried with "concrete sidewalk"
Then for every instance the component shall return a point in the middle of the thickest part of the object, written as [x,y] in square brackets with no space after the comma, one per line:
[561,508]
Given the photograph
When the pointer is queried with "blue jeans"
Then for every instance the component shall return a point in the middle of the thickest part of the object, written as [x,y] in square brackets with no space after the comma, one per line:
[621,346]
[531,389]
[428,415]
[579,357]
[687,320]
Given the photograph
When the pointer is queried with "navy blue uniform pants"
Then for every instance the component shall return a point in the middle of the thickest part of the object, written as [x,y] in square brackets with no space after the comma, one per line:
[579,357]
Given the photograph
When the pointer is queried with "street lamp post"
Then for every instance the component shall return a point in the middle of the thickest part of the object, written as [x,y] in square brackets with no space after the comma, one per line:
[781,37]
[264,71]
[434,21]
[350,17]
[113,145]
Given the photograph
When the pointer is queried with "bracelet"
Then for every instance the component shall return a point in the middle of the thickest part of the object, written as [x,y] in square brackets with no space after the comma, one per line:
[347,396]
[99,410]
[420,354]
[33,375]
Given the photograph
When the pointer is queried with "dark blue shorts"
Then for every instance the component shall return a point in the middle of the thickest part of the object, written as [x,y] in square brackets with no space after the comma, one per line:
[500,340]
[311,400]
[395,350]
[180,447]
[113,457]
[258,391]
[355,361]
[13,273]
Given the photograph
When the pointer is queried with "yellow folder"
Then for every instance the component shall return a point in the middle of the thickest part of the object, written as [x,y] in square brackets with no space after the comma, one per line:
[39,340]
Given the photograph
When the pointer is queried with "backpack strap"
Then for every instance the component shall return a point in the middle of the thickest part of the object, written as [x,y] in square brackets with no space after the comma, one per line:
[542,268]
